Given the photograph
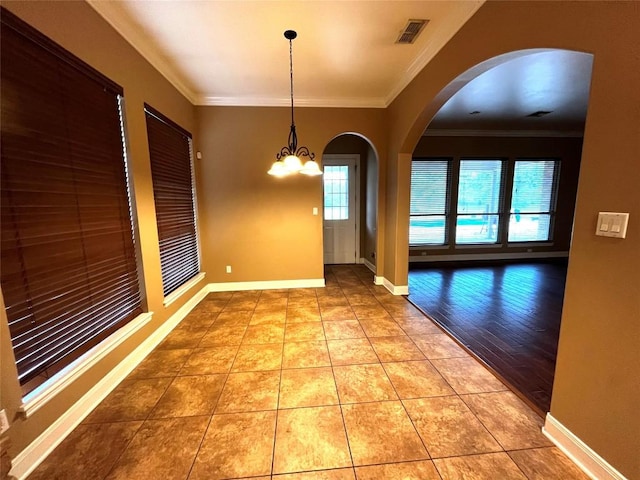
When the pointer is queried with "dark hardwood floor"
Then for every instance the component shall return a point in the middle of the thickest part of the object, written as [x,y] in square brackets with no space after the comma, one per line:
[508,315]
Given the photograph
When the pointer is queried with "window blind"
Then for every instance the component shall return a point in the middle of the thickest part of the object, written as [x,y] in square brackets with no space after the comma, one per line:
[69,273]
[170,152]
[533,200]
[429,200]
[480,193]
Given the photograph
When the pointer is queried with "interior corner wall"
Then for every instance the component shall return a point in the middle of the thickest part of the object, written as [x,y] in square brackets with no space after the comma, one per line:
[262,226]
[596,385]
[79,29]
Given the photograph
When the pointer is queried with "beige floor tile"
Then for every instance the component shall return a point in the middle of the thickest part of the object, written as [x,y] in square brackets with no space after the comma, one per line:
[236,445]
[438,345]
[303,314]
[88,452]
[336,474]
[233,318]
[275,293]
[310,439]
[337,300]
[253,358]
[131,400]
[363,299]
[381,432]
[271,304]
[304,332]
[404,309]
[545,463]
[363,383]
[448,428]
[416,379]
[302,292]
[241,304]
[210,306]
[223,335]
[307,387]
[351,351]
[466,375]
[422,470]
[197,319]
[207,361]
[328,291]
[183,337]
[489,466]
[343,329]
[249,391]
[161,449]
[381,327]
[337,312]
[190,396]
[508,419]
[275,317]
[161,363]
[396,349]
[303,302]
[264,333]
[370,311]
[305,355]
[417,326]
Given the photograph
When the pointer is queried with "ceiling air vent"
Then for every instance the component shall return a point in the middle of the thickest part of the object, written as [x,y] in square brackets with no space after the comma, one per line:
[539,113]
[411,31]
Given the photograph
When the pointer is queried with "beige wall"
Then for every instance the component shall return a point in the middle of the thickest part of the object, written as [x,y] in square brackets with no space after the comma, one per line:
[567,150]
[261,225]
[79,29]
[597,382]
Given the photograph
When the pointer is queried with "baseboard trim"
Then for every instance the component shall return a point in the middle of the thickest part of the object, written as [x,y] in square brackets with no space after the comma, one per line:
[579,452]
[378,280]
[266,285]
[395,289]
[368,264]
[29,458]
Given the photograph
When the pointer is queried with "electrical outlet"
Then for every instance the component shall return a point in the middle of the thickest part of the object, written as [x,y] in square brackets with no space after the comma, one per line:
[4,422]
[228,268]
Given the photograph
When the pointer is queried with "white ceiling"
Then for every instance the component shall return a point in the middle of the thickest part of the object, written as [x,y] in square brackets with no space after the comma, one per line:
[233,52]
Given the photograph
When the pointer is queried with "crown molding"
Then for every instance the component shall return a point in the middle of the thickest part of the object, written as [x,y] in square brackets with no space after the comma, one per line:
[209,100]
[112,13]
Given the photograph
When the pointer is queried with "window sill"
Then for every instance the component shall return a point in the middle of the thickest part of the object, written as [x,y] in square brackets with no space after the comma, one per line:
[33,401]
[184,288]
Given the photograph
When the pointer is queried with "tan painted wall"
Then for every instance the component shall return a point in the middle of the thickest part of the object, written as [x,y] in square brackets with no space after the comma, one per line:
[261,225]
[79,29]
[567,150]
[597,383]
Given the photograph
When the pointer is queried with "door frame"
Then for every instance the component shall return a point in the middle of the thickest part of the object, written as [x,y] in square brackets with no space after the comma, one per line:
[339,159]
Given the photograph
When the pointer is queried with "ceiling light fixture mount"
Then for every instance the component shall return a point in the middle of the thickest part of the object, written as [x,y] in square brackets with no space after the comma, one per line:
[288,159]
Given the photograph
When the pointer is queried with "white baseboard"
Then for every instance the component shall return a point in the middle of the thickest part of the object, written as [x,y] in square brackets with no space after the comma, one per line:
[378,280]
[395,289]
[368,264]
[579,452]
[28,459]
[265,285]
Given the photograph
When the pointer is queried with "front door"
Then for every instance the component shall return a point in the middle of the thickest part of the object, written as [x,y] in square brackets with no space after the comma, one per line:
[340,208]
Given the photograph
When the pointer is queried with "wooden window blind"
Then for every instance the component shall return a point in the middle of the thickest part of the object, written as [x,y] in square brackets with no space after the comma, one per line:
[170,153]
[69,272]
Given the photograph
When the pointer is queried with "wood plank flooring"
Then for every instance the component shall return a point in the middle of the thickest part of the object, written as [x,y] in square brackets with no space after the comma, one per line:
[508,315]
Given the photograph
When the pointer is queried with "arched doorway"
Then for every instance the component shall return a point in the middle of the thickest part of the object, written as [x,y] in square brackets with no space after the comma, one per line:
[493,190]
[350,163]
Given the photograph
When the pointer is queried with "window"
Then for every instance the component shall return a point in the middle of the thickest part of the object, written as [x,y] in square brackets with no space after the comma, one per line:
[336,192]
[479,201]
[69,273]
[429,200]
[170,153]
[532,200]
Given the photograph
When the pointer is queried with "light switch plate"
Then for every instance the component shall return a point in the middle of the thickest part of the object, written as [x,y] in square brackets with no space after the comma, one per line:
[612,224]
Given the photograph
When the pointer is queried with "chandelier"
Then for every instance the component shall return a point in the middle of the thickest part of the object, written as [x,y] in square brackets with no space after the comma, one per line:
[288,160]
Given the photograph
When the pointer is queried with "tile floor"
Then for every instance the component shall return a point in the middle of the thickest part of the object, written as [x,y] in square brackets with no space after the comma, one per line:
[336,383]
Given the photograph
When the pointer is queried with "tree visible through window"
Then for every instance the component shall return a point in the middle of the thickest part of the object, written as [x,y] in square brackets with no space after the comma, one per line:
[532,200]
